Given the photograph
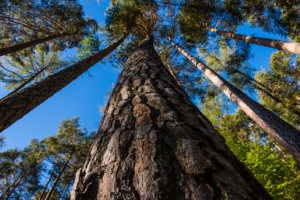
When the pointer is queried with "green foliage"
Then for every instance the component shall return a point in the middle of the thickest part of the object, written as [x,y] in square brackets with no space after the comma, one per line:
[23,21]
[121,18]
[195,17]
[278,17]
[23,69]
[88,46]
[22,171]
[20,174]
[283,78]
[132,17]
[290,16]
[1,141]
[69,147]
[277,172]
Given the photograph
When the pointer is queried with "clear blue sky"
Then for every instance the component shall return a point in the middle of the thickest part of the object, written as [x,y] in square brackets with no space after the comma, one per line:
[84,95]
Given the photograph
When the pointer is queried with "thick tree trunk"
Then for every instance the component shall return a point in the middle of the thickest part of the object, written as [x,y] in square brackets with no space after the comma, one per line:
[285,134]
[292,47]
[154,143]
[21,46]
[15,106]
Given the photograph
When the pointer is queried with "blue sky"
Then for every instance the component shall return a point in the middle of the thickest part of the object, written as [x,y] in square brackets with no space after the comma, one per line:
[83,96]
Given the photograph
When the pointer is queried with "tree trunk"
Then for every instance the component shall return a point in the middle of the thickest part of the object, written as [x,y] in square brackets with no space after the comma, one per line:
[153,143]
[285,134]
[58,177]
[21,46]
[292,47]
[8,192]
[259,86]
[49,179]
[250,80]
[15,106]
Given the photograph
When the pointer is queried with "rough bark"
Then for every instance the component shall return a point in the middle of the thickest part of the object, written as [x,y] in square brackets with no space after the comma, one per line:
[153,143]
[15,106]
[292,47]
[21,46]
[282,132]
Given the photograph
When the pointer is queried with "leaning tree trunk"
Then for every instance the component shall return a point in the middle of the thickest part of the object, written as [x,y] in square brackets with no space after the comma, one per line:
[285,134]
[292,47]
[21,46]
[49,179]
[259,86]
[48,196]
[153,143]
[15,106]
[8,192]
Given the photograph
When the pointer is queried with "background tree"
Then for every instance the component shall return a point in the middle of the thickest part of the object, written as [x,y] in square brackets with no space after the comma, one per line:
[221,20]
[31,22]
[276,170]
[281,131]
[64,154]
[55,158]
[277,17]
[20,173]
[283,77]
[19,71]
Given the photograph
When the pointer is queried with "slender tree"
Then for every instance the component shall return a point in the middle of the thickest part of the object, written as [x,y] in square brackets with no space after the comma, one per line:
[276,16]
[195,26]
[68,149]
[51,174]
[292,47]
[58,177]
[20,172]
[283,76]
[153,143]
[13,107]
[281,131]
[277,97]
[18,47]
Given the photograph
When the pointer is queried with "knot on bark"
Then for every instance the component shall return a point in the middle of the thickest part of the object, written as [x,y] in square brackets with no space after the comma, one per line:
[141,113]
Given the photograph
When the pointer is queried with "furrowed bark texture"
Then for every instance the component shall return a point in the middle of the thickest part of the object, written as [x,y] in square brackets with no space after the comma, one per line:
[285,134]
[15,106]
[292,47]
[153,143]
[21,46]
